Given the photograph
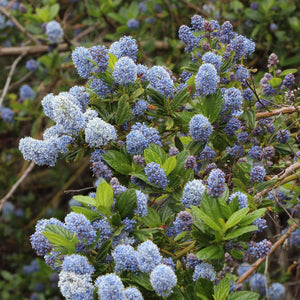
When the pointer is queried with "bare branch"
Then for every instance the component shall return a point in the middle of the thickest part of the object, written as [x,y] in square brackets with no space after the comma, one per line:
[15,186]
[19,26]
[10,74]
[261,260]
[284,110]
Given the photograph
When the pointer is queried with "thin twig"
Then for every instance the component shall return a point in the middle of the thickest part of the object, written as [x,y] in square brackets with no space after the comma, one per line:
[15,84]
[15,186]
[284,110]
[195,7]
[261,260]
[80,190]
[10,74]
[19,26]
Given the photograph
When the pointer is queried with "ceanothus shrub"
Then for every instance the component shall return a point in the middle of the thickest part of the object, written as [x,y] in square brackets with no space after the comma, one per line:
[180,166]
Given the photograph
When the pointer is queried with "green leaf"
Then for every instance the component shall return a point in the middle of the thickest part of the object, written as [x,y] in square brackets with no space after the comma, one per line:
[141,279]
[243,295]
[152,219]
[250,218]
[53,11]
[240,231]
[236,217]
[57,240]
[236,254]
[288,71]
[137,93]
[151,156]
[142,234]
[85,200]
[169,165]
[205,218]
[104,195]
[264,185]
[204,289]
[103,251]
[225,208]
[180,99]
[156,97]
[112,61]
[274,82]
[157,149]
[126,203]
[212,105]
[87,212]
[65,233]
[43,13]
[117,161]
[249,116]
[123,111]
[211,252]
[178,143]
[181,235]
[222,289]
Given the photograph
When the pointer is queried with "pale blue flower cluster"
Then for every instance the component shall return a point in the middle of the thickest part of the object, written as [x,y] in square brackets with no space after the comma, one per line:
[258,283]
[126,46]
[54,32]
[156,175]
[142,72]
[232,101]
[140,137]
[214,59]
[163,280]
[241,46]
[260,249]
[161,81]
[105,230]
[110,287]
[26,92]
[82,227]
[204,270]
[125,71]
[257,174]
[82,58]
[206,80]
[216,183]
[148,256]
[142,200]
[276,291]
[75,286]
[7,115]
[32,65]
[139,108]
[100,87]
[99,133]
[232,126]
[132,293]
[100,58]
[133,24]
[188,38]
[125,258]
[192,193]
[283,136]
[77,264]
[200,128]
[207,154]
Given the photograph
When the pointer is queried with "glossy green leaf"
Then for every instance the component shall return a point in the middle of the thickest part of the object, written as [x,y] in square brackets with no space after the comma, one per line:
[236,217]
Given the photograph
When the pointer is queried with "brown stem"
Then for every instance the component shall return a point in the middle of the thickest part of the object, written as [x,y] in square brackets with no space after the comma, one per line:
[261,260]
[284,110]
[18,25]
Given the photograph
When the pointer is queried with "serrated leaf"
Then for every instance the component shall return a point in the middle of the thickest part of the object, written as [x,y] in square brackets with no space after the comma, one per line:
[180,235]
[240,231]
[180,98]
[123,111]
[118,161]
[205,218]
[85,200]
[274,82]
[151,156]
[250,218]
[211,252]
[222,289]
[65,233]
[103,251]
[249,116]
[243,295]
[112,61]
[236,217]
[204,289]
[126,203]
[104,196]
[236,254]
[264,185]
[156,97]
[169,165]
[152,219]
[288,71]
[56,239]
[88,213]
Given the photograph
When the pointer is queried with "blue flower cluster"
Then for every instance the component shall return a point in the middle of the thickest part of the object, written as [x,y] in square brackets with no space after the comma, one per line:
[206,80]
[54,32]
[126,46]
[26,92]
[241,197]
[257,174]
[216,183]
[204,270]
[163,280]
[148,256]
[125,71]
[192,193]
[140,137]
[125,258]
[260,249]
[200,128]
